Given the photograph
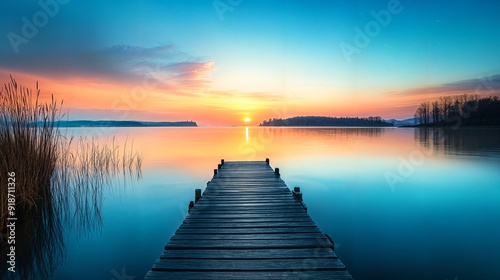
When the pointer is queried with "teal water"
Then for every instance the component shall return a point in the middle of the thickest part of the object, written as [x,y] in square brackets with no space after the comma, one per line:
[399,203]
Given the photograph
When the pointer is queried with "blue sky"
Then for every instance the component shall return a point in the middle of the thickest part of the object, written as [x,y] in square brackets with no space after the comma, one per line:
[259,55]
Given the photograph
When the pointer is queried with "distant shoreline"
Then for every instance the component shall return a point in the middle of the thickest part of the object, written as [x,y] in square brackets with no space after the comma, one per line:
[320,121]
[109,123]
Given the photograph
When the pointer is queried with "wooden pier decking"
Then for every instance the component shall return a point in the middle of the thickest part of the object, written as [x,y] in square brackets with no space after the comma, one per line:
[248,225]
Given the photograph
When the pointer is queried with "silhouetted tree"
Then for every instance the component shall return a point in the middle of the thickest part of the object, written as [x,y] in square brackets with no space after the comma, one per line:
[436,112]
[445,103]
[328,121]
[465,109]
[423,113]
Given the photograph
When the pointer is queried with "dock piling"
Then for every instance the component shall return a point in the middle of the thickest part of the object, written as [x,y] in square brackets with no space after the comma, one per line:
[197,195]
[191,205]
[296,192]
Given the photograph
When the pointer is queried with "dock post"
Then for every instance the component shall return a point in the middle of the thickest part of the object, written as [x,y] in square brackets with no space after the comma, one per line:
[219,166]
[191,205]
[222,162]
[267,161]
[296,192]
[197,195]
[215,172]
[277,171]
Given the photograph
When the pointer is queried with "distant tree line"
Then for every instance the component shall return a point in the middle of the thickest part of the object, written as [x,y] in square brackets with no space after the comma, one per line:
[327,121]
[467,110]
[109,123]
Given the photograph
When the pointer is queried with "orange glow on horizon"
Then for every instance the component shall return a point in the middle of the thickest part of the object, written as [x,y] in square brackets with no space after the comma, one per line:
[85,98]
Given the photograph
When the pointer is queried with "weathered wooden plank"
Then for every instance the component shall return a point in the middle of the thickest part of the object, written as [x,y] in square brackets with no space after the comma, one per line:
[271,188]
[193,221]
[291,201]
[250,169]
[267,197]
[248,211]
[230,215]
[248,225]
[250,244]
[244,265]
[245,200]
[233,181]
[250,185]
[248,203]
[242,175]
[244,185]
[253,275]
[243,197]
[254,236]
[238,207]
[230,196]
[243,210]
[268,230]
[243,192]
[252,204]
[247,192]
[249,254]
[244,162]
[248,176]
[248,200]
[245,181]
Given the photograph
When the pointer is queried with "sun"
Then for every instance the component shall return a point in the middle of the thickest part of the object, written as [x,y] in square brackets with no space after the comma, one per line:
[247,119]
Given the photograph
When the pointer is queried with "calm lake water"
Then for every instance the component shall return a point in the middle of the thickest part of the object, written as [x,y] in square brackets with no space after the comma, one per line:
[399,203]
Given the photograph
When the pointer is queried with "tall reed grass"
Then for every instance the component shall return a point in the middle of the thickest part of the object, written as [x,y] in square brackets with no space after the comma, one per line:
[29,145]
[52,171]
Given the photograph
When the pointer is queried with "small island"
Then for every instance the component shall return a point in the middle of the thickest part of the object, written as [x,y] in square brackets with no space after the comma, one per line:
[111,123]
[328,121]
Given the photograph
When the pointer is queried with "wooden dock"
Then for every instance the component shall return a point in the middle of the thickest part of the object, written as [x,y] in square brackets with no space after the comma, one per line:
[248,225]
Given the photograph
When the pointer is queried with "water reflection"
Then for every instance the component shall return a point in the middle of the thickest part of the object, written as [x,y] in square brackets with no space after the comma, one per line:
[468,141]
[346,132]
[39,244]
[448,200]
[73,202]
[197,149]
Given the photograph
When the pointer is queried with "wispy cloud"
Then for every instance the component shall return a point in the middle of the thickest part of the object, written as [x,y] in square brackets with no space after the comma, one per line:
[166,66]
[485,86]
